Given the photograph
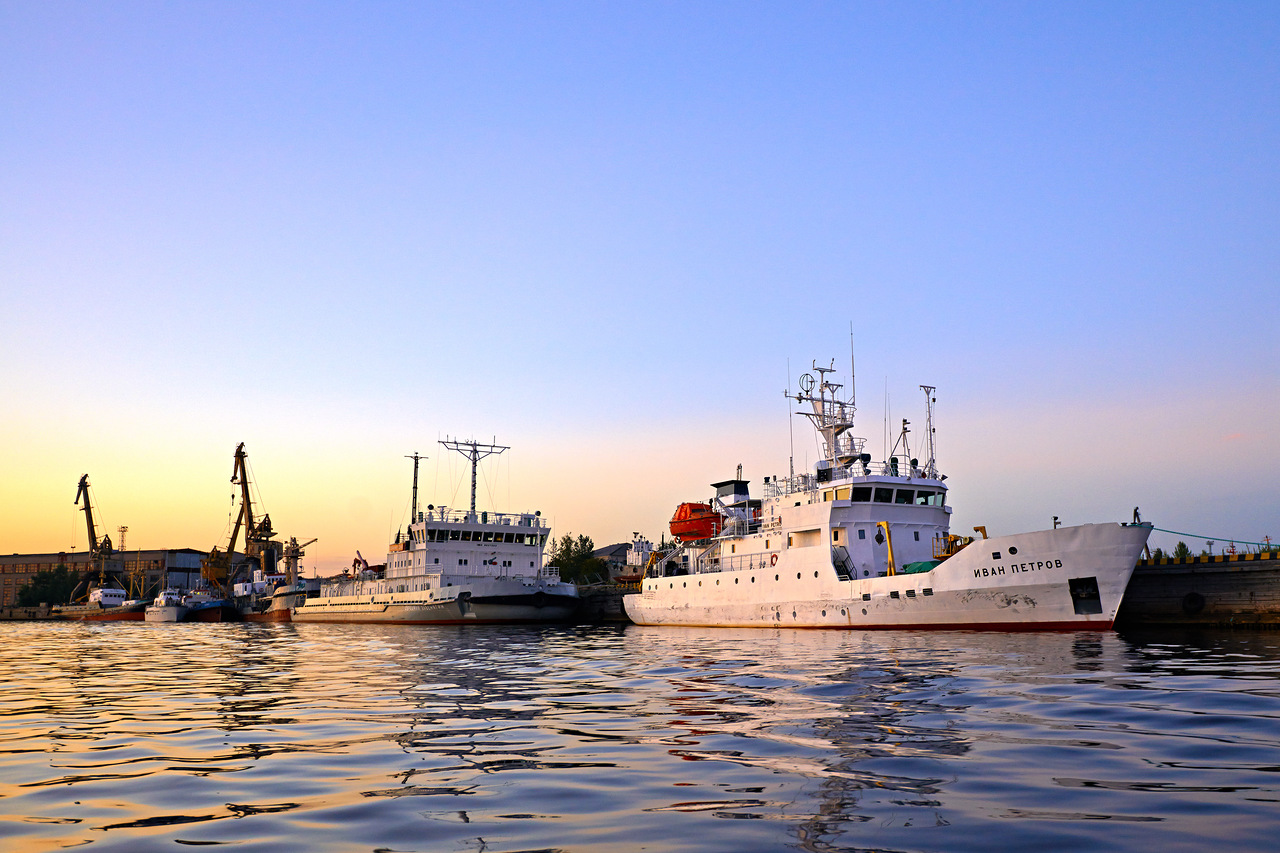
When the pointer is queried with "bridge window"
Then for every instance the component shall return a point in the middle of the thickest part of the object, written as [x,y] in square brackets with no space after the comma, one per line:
[905,496]
[884,496]
[860,494]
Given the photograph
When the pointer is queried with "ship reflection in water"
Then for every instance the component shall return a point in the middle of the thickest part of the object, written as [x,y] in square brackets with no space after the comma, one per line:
[341,737]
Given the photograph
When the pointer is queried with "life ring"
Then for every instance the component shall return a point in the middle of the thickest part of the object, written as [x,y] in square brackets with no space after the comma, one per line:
[773,561]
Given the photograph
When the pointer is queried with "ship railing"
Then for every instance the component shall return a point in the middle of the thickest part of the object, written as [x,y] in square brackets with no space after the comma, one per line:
[848,445]
[783,486]
[808,483]
[462,516]
[734,563]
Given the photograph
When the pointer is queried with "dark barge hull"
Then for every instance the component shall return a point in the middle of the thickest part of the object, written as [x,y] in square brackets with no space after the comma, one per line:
[1237,590]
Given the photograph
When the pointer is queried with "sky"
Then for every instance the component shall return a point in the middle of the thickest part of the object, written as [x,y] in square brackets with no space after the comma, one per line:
[609,236]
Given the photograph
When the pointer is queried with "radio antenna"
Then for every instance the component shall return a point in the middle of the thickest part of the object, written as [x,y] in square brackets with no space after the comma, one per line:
[853,396]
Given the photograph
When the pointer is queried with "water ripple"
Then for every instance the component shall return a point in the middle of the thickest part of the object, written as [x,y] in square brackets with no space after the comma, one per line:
[271,737]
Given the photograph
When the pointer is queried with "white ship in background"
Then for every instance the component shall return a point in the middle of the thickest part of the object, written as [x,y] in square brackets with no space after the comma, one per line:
[857,544]
[455,566]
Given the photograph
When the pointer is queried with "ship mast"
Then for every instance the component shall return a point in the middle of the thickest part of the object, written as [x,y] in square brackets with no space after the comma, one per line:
[474,451]
[831,416]
[413,508]
[931,465]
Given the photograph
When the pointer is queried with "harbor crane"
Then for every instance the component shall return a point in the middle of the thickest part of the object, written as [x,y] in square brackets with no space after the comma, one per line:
[217,568]
[99,550]
[96,548]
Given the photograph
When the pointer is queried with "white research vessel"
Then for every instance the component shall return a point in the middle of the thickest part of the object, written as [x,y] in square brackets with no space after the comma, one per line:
[455,566]
[862,545]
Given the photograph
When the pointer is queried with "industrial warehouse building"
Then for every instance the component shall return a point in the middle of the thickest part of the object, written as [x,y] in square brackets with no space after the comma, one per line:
[154,569]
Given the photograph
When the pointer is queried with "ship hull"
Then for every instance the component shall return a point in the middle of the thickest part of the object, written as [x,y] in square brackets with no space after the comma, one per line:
[165,613]
[220,612]
[279,610]
[93,613]
[1064,579]
[463,610]
[266,616]
[128,613]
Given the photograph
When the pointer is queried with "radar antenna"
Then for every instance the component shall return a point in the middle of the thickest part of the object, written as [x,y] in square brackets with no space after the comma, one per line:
[474,451]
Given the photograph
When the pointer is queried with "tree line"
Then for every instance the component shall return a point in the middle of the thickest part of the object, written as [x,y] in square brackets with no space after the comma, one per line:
[572,556]
[51,586]
[1182,551]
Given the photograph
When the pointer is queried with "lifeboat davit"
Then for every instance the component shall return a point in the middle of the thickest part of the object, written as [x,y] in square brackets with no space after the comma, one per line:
[694,521]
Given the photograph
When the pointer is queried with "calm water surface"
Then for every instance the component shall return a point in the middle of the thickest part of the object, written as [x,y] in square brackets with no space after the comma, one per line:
[309,737]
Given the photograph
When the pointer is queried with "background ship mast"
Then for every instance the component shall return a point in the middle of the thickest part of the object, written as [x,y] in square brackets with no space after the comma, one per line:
[474,451]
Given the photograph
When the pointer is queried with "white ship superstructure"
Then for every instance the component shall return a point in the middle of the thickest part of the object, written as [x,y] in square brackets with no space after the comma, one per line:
[857,544]
[454,566]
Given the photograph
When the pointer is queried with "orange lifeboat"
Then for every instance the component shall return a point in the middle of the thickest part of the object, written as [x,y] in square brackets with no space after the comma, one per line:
[694,521]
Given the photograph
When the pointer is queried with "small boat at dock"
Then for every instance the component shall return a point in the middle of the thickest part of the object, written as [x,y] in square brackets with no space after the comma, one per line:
[167,607]
[105,604]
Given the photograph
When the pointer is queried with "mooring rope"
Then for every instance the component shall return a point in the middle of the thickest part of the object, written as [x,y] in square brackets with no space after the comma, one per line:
[1215,538]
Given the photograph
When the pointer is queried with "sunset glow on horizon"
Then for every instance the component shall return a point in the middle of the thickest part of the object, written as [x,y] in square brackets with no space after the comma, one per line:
[609,237]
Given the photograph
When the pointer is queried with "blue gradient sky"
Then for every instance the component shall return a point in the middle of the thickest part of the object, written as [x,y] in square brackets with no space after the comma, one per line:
[607,234]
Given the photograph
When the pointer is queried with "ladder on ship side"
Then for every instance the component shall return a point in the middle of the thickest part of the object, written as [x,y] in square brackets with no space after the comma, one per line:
[842,563]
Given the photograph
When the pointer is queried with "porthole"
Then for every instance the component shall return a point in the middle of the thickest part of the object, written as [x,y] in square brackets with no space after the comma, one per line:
[775,577]
[824,613]
[735,580]
[1013,549]
[793,614]
[815,574]
[797,576]
[864,611]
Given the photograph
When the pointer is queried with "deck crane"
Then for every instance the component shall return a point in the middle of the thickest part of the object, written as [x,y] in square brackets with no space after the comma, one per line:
[293,551]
